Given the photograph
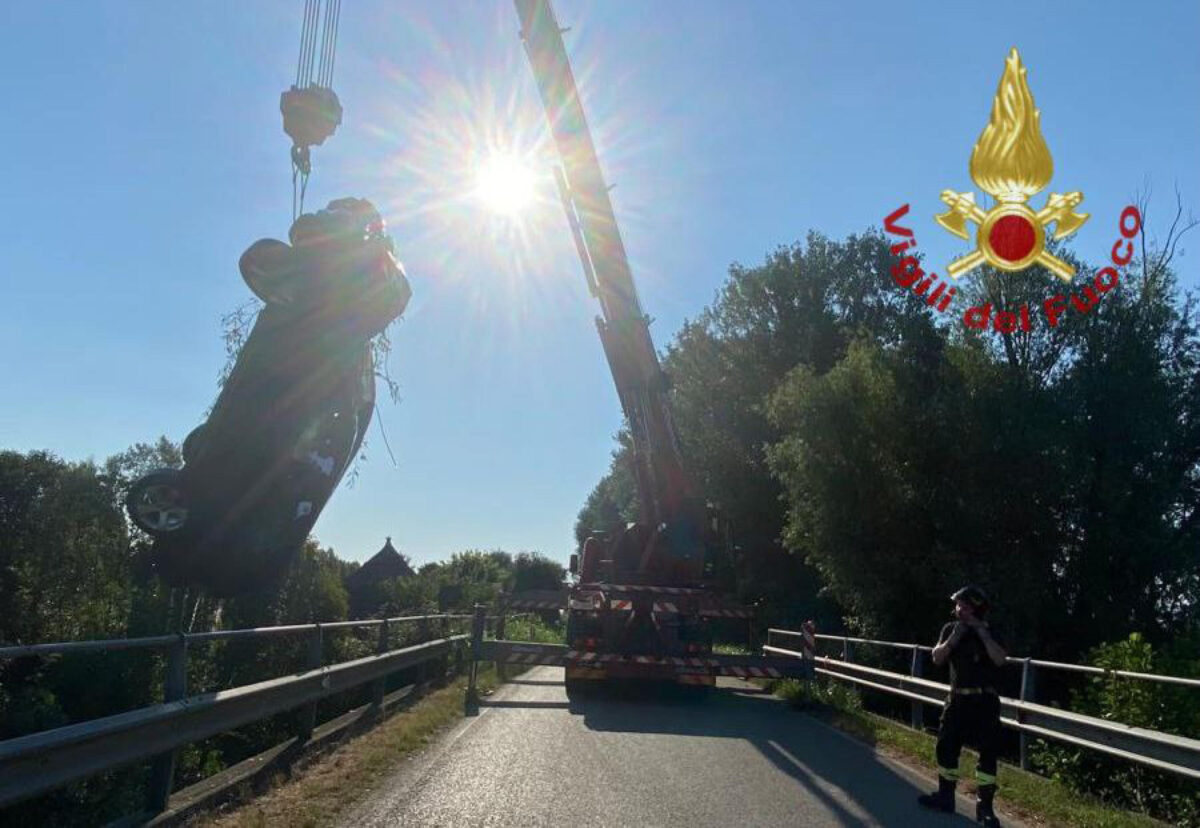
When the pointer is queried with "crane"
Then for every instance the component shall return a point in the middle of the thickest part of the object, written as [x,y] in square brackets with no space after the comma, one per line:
[644,601]
[671,531]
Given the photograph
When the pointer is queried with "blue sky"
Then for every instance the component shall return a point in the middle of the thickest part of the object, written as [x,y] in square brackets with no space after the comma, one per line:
[142,153]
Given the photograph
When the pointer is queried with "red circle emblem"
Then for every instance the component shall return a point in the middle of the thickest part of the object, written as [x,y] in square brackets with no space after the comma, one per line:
[1012,238]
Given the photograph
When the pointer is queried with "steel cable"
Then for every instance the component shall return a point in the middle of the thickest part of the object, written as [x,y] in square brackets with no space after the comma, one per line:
[329,43]
[308,41]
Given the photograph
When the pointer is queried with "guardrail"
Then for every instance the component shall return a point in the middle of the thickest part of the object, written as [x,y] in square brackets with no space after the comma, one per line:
[1164,751]
[40,762]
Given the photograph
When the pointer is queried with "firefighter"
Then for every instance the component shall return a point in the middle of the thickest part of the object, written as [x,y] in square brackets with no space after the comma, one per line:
[972,713]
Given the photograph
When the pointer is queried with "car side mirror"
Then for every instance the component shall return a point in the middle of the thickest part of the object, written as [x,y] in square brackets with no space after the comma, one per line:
[574,565]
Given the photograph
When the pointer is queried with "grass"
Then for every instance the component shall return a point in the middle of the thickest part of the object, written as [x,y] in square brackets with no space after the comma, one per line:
[318,794]
[1034,798]
[731,649]
[533,629]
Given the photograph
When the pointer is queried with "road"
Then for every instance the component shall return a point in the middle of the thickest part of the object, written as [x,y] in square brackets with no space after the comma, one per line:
[740,757]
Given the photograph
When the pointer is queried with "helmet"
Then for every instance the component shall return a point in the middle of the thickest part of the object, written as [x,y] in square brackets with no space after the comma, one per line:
[973,597]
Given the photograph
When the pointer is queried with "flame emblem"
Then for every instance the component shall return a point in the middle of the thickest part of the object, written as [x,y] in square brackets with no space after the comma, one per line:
[1012,163]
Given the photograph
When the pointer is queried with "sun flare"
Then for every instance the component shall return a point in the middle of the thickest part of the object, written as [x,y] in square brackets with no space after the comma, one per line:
[504,184]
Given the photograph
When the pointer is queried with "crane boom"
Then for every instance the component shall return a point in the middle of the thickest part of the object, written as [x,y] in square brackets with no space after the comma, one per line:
[664,491]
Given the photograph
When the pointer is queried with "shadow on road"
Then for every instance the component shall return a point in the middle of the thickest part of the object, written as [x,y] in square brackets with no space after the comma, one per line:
[858,788]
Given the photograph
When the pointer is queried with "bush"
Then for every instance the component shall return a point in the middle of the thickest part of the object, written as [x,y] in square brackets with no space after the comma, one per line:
[820,691]
[533,628]
[1162,707]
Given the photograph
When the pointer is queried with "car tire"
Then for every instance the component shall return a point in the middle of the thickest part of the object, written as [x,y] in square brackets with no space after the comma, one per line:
[269,269]
[158,504]
[191,443]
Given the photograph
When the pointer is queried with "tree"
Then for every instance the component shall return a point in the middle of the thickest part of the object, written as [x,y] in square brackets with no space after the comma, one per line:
[314,588]
[803,306]
[533,570]
[64,551]
[613,503]
[1058,468]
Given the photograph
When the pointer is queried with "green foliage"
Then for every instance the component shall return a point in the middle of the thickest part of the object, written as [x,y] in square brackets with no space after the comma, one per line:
[803,307]
[532,570]
[479,576]
[613,503]
[314,589]
[1163,707]
[819,692]
[402,596]
[532,627]
[870,462]
[468,578]
[1058,472]
[71,568]
[64,551]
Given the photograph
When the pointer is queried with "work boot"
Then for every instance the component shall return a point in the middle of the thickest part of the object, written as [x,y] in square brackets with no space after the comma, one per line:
[942,799]
[984,814]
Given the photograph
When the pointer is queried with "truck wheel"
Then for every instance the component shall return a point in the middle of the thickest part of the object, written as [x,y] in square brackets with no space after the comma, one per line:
[157,503]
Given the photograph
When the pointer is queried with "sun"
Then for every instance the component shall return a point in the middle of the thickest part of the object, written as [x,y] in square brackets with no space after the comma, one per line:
[504,184]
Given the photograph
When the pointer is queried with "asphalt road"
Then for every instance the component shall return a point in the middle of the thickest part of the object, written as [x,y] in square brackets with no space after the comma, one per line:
[738,757]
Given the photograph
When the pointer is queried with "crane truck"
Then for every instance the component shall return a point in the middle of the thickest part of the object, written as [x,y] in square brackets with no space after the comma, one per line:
[643,603]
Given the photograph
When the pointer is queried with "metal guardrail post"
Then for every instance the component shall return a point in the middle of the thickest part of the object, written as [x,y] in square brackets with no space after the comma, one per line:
[476,650]
[379,686]
[1028,691]
[847,650]
[500,623]
[918,708]
[312,661]
[162,773]
[423,636]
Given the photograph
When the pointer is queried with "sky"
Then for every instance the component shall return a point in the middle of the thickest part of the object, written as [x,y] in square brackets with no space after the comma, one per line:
[142,151]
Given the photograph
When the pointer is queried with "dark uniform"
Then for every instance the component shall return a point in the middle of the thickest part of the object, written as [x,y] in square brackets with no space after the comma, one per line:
[972,714]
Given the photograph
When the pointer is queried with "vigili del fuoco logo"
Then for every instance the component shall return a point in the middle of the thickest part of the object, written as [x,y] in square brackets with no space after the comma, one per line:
[1011,162]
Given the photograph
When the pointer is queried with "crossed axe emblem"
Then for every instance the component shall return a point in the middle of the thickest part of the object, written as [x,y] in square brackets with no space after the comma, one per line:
[1011,236]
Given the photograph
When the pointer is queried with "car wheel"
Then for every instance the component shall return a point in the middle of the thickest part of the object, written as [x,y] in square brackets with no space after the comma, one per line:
[191,443]
[268,268]
[157,503]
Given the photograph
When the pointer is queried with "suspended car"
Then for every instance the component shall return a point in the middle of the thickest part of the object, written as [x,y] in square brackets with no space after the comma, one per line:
[292,414]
